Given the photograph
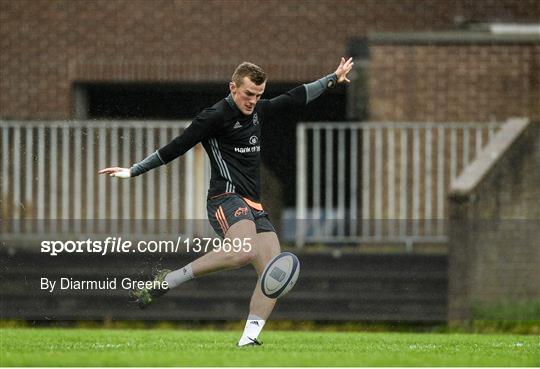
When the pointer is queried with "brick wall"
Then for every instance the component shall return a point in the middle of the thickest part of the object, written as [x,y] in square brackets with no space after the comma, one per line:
[440,82]
[494,253]
[48,45]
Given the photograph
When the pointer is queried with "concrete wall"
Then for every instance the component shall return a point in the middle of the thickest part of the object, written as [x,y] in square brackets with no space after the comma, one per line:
[494,251]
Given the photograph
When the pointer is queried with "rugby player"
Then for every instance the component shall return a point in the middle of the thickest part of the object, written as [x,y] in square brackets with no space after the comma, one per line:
[230,133]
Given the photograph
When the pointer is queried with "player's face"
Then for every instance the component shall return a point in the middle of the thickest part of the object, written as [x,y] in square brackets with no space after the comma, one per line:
[247,95]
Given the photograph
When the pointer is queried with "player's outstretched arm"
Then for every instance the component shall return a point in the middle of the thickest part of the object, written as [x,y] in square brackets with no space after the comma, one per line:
[198,130]
[317,88]
[149,163]
[302,95]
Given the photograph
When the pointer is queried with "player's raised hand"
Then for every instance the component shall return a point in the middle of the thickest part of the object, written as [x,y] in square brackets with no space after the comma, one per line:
[343,69]
[116,172]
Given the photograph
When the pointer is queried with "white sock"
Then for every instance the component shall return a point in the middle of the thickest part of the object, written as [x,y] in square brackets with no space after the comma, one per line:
[254,326]
[176,278]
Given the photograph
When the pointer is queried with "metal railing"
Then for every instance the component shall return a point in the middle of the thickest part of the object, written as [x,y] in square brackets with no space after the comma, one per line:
[49,172]
[356,182]
[380,181]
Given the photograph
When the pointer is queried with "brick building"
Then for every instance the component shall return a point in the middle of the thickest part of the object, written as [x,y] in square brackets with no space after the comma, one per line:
[51,47]
[454,77]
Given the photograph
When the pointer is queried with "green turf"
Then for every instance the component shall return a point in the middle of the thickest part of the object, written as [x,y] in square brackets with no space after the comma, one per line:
[101,347]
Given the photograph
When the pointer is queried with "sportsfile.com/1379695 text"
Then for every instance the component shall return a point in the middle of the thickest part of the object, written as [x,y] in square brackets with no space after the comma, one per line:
[120,245]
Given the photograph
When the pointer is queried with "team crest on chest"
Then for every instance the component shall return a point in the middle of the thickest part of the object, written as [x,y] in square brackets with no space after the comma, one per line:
[255,119]
[253,140]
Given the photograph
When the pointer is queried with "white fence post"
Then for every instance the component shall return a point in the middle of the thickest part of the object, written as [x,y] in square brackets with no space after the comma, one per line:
[301,184]
[397,174]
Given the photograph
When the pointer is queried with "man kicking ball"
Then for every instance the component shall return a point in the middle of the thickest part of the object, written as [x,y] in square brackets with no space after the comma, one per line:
[230,133]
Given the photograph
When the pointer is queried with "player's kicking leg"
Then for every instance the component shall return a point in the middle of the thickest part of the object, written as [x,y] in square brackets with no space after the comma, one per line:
[260,307]
[213,261]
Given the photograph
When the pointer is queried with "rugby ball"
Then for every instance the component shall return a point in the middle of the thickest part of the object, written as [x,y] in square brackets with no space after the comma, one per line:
[280,275]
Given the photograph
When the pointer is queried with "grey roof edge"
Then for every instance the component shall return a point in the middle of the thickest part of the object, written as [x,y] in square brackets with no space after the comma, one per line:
[450,37]
[476,171]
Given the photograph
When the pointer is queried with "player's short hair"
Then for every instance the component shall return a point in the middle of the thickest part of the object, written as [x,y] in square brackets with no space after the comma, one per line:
[250,70]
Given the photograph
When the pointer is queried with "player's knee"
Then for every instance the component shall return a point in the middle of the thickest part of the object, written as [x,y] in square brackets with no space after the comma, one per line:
[242,230]
[239,259]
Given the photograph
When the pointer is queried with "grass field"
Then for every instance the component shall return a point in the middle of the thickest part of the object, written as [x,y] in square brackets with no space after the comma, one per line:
[101,347]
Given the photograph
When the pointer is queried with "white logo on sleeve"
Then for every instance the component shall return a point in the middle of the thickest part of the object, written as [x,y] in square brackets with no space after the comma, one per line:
[237,125]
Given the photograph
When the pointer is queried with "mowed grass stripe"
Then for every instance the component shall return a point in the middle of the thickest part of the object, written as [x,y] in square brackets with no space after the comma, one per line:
[101,347]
